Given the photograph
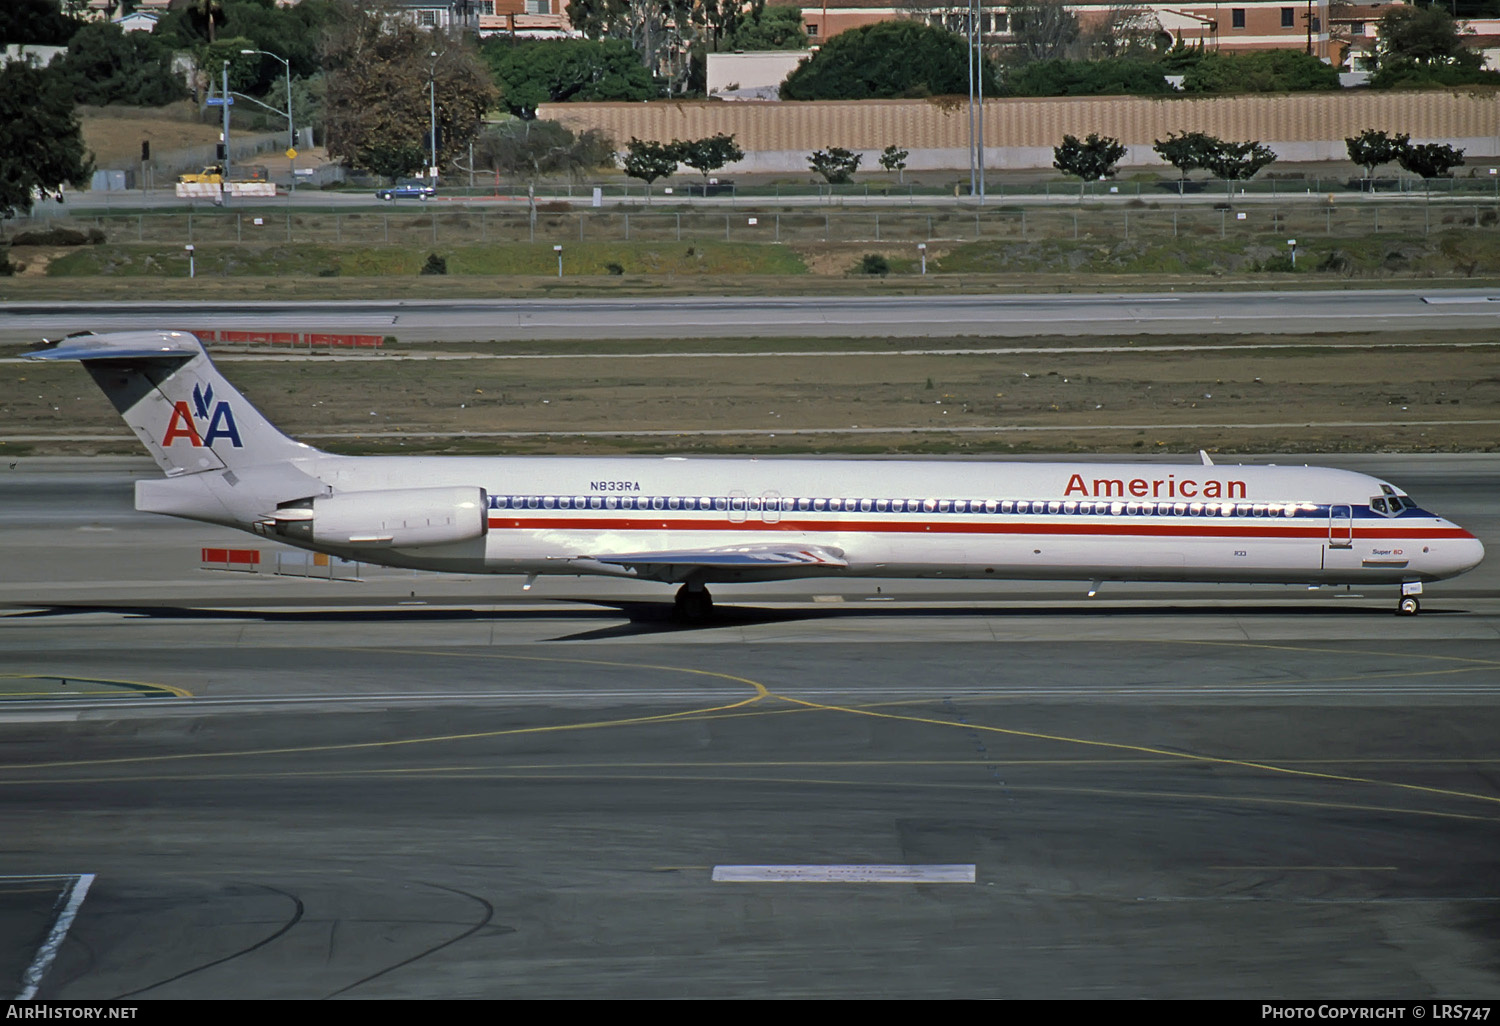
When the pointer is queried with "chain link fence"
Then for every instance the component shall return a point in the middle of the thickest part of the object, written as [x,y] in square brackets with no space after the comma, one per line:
[463,226]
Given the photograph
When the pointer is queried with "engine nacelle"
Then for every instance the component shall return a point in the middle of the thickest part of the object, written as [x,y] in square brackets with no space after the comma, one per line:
[394,518]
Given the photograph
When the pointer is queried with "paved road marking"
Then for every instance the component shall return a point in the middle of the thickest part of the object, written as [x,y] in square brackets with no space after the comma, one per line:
[32,978]
[844,874]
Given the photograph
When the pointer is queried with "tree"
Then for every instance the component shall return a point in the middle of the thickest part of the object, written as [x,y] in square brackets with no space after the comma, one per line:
[1123,31]
[532,149]
[36,22]
[379,74]
[531,73]
[836,164]
[1187,151]
[771,28]
[41,147]
[106,65]
[1430,160]
[1259,71]
[708,154]
[1370,148]
[1231,161]
[663,32]
[1422,46]
[649,161]
[1421,35]
[886,60]
[309,96]
[894,159]
[1117,76]
[292,33]
[209,13]
[1041,30]
[244,68]
[1235,161]
[1090,160]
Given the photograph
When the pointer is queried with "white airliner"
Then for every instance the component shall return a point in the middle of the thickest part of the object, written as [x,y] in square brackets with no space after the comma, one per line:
[695,522]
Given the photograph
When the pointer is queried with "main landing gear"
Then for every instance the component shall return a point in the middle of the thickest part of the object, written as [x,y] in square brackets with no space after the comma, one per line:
[693,604]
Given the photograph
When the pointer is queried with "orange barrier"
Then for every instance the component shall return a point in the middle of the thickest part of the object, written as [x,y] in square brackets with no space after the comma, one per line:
[292,338]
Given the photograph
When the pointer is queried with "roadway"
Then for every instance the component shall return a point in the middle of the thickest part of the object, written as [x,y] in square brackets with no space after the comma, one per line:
[945,316]
[420,786]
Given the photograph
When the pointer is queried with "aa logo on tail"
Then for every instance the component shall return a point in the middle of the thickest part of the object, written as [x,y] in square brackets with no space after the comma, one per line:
[184,422]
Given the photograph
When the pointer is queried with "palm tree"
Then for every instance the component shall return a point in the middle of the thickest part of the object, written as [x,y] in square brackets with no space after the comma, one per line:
[210,11]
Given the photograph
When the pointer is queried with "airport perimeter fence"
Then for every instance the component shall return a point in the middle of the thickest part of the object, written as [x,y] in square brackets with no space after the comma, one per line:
[1001,188]
[998,188]
[464,226]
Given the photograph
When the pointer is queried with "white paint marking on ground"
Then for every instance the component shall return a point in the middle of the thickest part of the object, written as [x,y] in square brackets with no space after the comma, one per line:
[73,900]
[845,874]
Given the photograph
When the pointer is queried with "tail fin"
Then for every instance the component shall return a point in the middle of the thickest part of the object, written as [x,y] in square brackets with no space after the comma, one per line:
[186,414]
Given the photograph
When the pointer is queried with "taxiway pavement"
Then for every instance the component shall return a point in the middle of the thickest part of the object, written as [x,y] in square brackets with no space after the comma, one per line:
[431,787]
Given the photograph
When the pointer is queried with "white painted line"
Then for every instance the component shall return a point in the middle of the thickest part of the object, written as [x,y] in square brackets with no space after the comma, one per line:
[845,874]
[48,951]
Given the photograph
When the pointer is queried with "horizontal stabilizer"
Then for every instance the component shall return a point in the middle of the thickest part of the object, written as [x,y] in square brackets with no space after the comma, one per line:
[123,345]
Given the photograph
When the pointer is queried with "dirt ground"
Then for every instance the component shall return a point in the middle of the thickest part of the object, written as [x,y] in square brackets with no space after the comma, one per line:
[1327,393]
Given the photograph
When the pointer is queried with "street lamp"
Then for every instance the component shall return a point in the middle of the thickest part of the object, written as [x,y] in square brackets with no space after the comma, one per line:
[432,113]
[291,130]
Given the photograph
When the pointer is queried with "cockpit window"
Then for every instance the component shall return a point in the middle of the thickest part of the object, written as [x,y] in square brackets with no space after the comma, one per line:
[1378,505]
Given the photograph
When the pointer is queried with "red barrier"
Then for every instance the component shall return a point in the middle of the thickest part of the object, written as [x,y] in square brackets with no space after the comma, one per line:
[247,557]
[292,338]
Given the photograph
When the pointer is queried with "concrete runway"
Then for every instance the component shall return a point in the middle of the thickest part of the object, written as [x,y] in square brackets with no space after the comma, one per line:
[420,786]
[940,316]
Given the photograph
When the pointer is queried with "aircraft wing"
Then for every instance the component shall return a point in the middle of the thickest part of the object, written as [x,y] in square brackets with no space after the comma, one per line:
[740,560]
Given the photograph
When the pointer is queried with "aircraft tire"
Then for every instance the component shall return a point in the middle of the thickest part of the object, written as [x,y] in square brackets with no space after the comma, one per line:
[1408,606]
[693,606]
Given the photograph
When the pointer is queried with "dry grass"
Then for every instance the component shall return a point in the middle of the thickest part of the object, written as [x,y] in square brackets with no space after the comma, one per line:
[114,134]
[1304,399]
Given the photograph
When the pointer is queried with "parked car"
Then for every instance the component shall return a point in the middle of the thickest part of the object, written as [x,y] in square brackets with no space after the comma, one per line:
[406,190]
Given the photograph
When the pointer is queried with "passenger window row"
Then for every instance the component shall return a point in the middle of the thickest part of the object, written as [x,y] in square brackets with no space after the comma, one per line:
[781,504]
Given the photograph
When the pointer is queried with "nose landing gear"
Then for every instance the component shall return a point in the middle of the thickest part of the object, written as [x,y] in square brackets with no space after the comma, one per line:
[1407,604]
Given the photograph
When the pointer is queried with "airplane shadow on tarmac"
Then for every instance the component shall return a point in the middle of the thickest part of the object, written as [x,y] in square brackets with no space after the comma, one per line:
[648,618]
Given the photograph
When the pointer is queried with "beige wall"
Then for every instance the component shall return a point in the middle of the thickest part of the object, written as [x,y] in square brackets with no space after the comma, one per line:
[1021,132]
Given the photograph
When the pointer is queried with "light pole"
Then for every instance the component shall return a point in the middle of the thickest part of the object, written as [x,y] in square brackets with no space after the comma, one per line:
[224,170]
[432,113]
[291,130]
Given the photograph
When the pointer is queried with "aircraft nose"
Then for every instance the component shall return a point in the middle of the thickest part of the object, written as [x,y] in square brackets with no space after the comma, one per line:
[1470,553]
[1461,554]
